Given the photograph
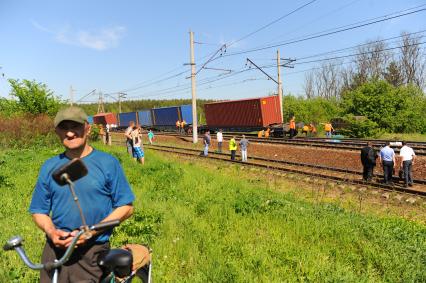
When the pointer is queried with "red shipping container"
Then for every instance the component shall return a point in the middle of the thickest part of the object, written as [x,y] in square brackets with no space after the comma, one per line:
[255,112]
[105,118]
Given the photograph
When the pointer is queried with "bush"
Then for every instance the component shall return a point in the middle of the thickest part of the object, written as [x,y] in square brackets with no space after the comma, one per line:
[395,109]
[316,110]
[94,133]
[27,130]
[360,128]
[34,98]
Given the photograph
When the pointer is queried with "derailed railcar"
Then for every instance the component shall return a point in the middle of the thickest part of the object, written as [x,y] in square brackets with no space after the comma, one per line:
[105,119]
[145,118]
[165,118]
[126,117]
[186,113]
[243,115]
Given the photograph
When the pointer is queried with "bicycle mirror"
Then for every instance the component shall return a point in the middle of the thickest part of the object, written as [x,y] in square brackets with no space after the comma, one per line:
[74,170]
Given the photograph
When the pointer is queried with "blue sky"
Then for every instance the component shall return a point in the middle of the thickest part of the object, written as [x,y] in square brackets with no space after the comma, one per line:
[132,46]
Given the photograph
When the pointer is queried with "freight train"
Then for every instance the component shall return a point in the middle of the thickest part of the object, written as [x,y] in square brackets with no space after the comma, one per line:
[243,115]
[162,119]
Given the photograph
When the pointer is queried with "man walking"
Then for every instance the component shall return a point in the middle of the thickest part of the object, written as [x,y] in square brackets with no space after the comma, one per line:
[387,159]
[244,144]
[104,194]
[219,137]
[233,147]
[368,160]
[206,141]
[407,161]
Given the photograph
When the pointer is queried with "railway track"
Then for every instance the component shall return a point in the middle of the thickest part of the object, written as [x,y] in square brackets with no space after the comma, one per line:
[318,171]
[419,148]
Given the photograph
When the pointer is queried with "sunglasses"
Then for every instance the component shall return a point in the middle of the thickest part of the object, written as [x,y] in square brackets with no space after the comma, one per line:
[70,125]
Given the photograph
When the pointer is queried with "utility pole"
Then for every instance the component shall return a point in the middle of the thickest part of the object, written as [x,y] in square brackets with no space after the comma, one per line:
[71,95]
[280,90]
[120,96]
[101,103]
[193,90]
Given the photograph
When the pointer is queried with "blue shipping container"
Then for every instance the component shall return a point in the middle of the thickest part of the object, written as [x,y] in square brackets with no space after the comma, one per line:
[186,113]
[145,117]
[125,118]
[90,119]
[166,116]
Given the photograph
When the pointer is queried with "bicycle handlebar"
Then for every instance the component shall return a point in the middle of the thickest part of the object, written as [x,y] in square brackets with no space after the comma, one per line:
[16,244]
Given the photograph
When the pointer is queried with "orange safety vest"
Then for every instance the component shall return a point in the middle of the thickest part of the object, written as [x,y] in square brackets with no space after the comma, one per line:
[327,127]
[292,124]
[177,124]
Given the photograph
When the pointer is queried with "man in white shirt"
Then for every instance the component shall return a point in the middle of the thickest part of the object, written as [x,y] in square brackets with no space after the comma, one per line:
[407,161]
[219,138]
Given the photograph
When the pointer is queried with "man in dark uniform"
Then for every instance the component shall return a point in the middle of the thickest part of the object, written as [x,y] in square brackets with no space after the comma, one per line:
[368,160]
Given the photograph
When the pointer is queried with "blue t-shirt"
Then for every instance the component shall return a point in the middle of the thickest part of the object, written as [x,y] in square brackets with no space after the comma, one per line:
[102,190]
[387,153]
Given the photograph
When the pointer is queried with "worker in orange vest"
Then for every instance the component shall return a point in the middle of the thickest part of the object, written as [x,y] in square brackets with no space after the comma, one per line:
[178,126]
[292,127]
[182,126]
[328,129]
[267,132]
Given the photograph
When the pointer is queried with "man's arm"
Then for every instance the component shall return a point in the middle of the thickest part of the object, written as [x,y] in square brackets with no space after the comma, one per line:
[44,222]
[120,213]
[127,134]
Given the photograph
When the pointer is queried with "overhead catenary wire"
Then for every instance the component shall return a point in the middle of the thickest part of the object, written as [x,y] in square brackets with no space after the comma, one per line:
[320,34]
[271,23]
[324,33]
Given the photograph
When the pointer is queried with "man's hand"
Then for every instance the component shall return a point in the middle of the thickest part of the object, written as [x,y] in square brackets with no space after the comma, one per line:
[60,239]
[82,240]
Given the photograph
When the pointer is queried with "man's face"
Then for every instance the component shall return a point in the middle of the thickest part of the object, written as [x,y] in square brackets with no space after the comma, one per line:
[73,135]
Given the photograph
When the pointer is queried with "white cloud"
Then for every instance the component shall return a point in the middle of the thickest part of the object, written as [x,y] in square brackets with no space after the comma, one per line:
[102,39]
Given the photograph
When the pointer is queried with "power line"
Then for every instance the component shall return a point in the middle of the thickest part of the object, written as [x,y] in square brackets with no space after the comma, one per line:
[358,54]
[322,34]
[359,45]
[273,22]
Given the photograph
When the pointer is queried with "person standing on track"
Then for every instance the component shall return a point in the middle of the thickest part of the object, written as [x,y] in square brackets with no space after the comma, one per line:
[219,137]
[387,159]
[128,136]
[244,144]
[206,141]
[233,147]
[104,194]
[328,127]
[292,127]
[368,160]
[407,161]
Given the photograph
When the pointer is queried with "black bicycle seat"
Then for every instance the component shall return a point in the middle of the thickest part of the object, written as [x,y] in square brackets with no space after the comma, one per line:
[117,260]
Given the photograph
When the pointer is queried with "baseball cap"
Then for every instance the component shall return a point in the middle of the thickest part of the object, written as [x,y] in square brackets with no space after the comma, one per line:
[71,113]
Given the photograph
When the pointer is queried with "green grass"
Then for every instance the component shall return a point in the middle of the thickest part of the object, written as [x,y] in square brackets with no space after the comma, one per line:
[407,137]
[205,226]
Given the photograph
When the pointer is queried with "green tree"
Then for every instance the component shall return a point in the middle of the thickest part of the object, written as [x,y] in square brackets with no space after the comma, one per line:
[395,109]
[316,110]
[33,97]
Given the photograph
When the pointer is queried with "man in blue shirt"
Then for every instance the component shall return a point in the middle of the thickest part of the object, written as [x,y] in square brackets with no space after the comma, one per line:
[387,159]
[104,194]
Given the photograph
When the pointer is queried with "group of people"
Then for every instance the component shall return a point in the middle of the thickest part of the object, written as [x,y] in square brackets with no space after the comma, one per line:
[180,126]
[388,160]
[233,146]
[134,142]
[309,129]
